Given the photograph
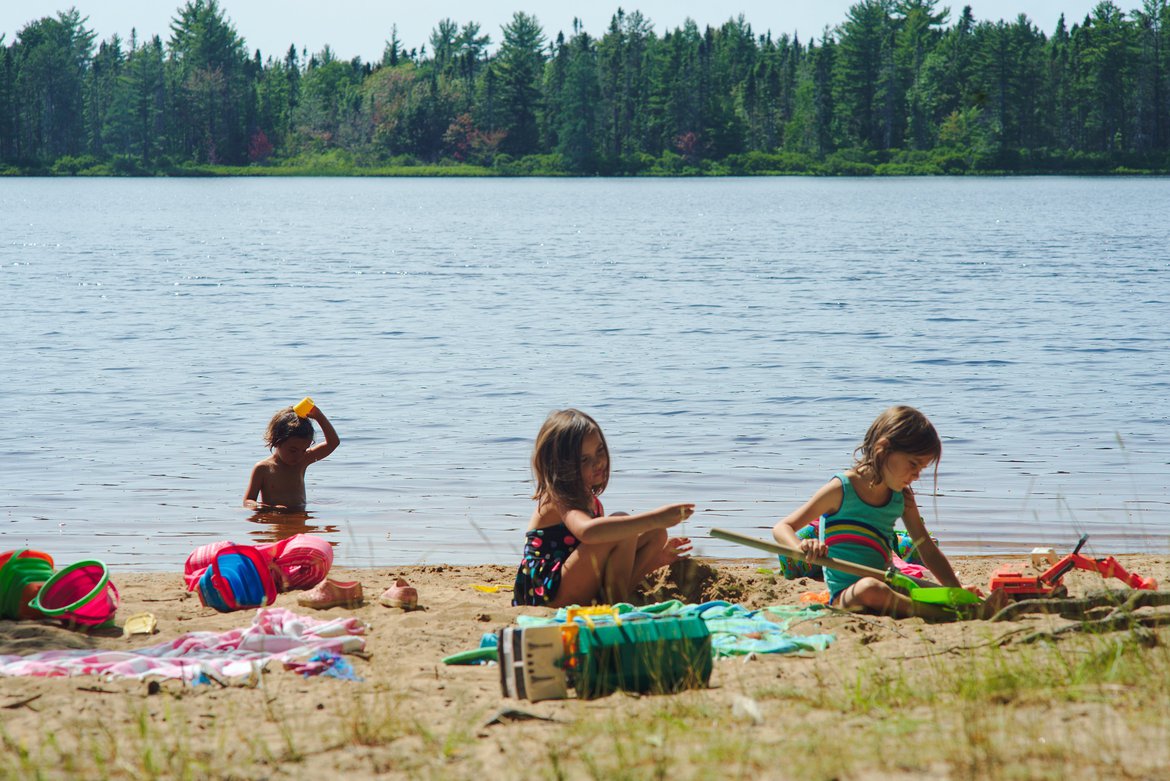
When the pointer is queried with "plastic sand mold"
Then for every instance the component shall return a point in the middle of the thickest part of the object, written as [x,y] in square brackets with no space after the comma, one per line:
[140,624]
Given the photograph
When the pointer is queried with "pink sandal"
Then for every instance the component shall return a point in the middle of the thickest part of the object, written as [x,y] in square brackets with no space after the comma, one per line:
[401,594]
[331,593]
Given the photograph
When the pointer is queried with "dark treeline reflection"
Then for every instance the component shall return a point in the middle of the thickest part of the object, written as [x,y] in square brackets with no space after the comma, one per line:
[899,86]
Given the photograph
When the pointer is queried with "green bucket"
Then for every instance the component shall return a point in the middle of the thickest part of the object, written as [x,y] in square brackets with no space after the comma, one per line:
[20,568]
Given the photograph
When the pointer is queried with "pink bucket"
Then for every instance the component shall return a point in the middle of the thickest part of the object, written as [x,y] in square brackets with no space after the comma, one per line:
[81,594]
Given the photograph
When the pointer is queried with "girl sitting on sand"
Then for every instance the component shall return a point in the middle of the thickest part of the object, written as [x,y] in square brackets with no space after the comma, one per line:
[575,554]
[860,507]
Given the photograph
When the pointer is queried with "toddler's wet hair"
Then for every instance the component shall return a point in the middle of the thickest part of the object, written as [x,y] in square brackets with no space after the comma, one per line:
[286,424]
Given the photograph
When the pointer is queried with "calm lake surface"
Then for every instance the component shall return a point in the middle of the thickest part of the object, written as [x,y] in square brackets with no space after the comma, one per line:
[734,338]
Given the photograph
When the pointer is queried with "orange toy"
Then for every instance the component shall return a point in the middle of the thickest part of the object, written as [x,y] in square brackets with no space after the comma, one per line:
[1012,580]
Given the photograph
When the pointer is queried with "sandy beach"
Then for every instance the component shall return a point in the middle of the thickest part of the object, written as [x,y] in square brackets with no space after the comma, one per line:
[974,699]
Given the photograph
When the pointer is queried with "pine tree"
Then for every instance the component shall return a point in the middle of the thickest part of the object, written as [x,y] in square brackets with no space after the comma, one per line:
[863,74]
[519,67]
[107,101]
[916,38]
[555,73]
[1107,47]
[7,108]
[51,60]
[1153,68]
[211,96]
[577,132]
[145,74]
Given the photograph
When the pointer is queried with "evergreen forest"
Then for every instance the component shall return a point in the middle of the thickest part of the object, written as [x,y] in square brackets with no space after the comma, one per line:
[897,87]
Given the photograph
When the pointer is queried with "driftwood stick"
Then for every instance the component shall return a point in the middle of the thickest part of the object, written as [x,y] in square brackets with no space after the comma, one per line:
[1081,607]
[1112,623]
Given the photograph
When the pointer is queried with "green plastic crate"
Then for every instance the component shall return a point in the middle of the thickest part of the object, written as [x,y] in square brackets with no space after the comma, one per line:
[651,655]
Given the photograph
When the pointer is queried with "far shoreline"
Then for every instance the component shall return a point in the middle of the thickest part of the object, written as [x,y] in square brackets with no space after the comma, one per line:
[471,172]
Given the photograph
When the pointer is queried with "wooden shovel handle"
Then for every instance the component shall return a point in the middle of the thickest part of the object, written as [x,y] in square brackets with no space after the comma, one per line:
[860,570]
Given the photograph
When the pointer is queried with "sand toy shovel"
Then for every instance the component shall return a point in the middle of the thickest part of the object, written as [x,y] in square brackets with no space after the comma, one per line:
[917,589]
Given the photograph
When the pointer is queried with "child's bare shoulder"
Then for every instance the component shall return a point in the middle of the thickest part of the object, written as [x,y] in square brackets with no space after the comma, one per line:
[545,515]
[829,496]
[266,467]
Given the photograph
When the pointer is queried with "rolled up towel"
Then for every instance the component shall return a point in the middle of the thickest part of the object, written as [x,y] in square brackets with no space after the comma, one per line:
[303,560]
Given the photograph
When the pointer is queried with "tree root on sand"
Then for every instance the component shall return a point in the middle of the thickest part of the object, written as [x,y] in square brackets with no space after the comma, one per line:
[1096,613]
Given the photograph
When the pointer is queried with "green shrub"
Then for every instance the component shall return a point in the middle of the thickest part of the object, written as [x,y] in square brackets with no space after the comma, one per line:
[908,169]
[756,162]
[126,165]
[404,161]
[839,164]
[668,164]
[951,160]
[72,166]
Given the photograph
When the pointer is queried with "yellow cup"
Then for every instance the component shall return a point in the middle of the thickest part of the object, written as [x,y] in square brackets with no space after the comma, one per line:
[304,407]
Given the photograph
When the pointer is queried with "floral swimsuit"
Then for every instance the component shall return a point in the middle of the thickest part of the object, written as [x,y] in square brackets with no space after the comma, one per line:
[545,553]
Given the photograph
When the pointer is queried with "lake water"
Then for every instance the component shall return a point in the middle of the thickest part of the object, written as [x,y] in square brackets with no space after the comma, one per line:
[734,338]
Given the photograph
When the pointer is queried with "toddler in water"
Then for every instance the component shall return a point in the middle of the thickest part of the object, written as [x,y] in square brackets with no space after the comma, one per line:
[278,482]
[860,507]
[575,554]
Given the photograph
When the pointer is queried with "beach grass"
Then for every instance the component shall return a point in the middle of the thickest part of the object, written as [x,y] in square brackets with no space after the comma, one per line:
[988,712]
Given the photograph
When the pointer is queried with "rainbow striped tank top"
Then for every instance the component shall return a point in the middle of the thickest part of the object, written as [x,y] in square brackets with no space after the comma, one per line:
[860,533]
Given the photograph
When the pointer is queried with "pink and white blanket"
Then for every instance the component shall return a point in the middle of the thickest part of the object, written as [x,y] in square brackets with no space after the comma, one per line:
[237,655]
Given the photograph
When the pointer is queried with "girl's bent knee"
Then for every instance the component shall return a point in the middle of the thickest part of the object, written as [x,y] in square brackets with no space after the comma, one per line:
[870,593]
[655,537]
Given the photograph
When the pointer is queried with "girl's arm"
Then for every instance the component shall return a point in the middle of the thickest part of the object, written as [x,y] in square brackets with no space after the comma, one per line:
[252,495]
[331,439]
[612,528]
[825,501]
[932,557]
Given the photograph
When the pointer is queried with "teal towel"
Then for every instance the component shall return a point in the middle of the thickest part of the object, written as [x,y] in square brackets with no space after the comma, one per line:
[735,630]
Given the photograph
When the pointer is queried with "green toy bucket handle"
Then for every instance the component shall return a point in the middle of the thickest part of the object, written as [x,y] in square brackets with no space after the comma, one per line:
[57,576]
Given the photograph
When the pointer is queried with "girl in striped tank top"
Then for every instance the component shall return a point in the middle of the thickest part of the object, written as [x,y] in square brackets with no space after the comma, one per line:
[860,506]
